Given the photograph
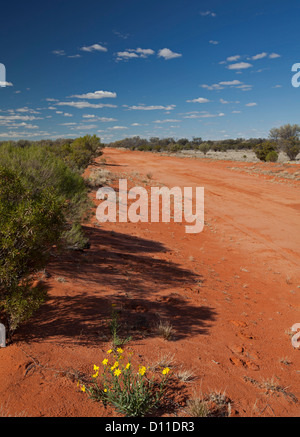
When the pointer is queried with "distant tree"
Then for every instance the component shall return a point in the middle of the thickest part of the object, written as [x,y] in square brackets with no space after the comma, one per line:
[291,147]
[284,132]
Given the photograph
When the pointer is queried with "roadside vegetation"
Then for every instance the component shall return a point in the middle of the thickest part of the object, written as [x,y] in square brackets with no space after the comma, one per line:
[43,201]
[283,139]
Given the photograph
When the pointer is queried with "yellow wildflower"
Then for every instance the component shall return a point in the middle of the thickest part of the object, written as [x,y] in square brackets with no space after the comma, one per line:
[115,365]
[105,361]
[96,367]
[165,371]
[120,350]
[117,372]
[82,388]
[127,366]
[142,370]
[110,351]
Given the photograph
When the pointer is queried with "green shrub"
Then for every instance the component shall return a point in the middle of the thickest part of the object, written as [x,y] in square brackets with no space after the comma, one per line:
[272,156]
[31,221]
[263,149]
[39,170]
[204,148]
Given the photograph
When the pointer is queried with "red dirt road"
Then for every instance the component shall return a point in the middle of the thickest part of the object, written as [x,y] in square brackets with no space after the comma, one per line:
[231,293]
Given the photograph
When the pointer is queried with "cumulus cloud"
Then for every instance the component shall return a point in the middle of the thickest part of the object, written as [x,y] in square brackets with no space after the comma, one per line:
[117,128]
[95,95]
[134,53]
[229,83]
[169,120]
[94,48]
[233,58]
[198,100]
[83,104]
[150,108]
[259,56]
[168,54]
[89,117]
[239,66]
[274,55]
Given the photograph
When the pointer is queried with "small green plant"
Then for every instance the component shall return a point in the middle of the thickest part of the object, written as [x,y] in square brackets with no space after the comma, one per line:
[114,327]
[133,392]
[272,156]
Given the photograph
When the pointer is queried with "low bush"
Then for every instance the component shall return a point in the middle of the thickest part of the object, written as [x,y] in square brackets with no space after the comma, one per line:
[31,221]
[272,156]
[263,149]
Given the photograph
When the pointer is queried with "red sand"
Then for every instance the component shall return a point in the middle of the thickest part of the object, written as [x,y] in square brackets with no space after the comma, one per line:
[231,294]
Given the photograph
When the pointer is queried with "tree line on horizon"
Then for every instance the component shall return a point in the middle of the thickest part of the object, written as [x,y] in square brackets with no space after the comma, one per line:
[284,138]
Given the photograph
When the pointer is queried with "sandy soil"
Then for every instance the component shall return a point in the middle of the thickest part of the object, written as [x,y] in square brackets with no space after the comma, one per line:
[231,293]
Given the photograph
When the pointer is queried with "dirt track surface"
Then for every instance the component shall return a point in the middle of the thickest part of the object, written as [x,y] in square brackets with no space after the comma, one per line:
[231,293]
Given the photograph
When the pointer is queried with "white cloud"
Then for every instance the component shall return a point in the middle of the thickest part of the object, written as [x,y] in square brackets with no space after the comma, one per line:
[274,55]
[4,83]
[251,104]
[231,82]
[169,120]
[9,118]
[259,56]
[208,14]
[74,56]
[117,127]
[151,108]
[239,65]
[93,48]
[83,104]
[89,117]
[213,42]
[58,52]
[168,54]
[214,86]
[199,100]
[136,124]
[51,100]
[67,114]
[26,109]
[134,53]
[233,58]
[95,95]
[145,52]
[205,114]
[126,55]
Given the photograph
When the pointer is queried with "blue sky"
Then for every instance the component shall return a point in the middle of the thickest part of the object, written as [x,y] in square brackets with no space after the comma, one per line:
[211,69]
